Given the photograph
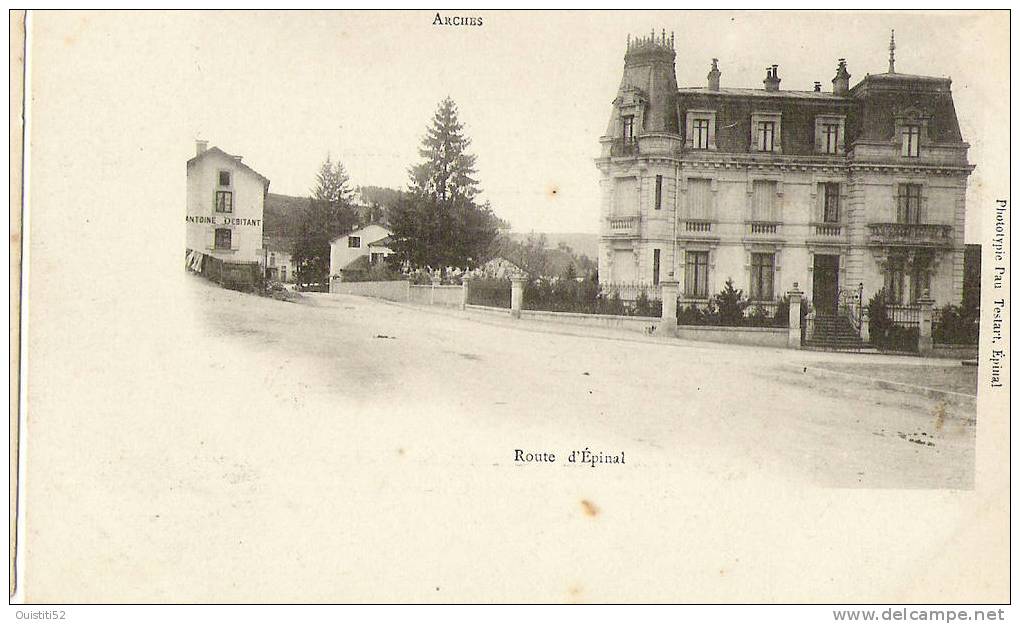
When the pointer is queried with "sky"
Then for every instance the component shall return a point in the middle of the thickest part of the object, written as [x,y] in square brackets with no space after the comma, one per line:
[534,90]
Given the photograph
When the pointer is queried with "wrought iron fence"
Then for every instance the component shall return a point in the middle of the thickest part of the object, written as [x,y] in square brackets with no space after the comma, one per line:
[904,315]
[849,305]
[630,291]
[764,308]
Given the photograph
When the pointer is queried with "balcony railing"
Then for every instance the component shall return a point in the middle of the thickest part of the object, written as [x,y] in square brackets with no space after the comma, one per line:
[759,228]
[624,147]
[624,226]
[827,230]
[910,234]
[697,226]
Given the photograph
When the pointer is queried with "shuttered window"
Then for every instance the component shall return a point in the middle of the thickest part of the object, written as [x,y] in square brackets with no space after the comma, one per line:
[625,197]
[699,199]
[763,201]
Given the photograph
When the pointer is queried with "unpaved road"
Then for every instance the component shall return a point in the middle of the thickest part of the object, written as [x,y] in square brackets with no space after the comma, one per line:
[346,449]
[717,403]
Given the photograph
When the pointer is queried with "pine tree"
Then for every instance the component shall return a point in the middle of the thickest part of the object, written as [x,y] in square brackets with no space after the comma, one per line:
[332,184]
[447,171]
[437,223]
[329,214]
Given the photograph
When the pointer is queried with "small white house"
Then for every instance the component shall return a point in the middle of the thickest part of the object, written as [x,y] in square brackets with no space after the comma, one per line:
[369,242]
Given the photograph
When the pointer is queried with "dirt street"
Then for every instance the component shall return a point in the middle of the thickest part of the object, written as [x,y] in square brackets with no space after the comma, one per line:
[367,449]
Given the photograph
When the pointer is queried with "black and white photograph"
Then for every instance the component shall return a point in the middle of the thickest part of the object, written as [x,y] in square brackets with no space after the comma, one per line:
[522,307]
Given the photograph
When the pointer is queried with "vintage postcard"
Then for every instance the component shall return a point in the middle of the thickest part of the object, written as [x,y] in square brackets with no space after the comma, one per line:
[512,307]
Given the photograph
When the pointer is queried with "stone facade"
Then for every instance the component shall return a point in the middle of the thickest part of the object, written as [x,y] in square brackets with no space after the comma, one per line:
[226,201]
[770,187]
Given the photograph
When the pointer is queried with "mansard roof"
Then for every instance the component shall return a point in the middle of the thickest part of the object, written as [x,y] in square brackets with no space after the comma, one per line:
[884,97]
[737,92]
[871,107]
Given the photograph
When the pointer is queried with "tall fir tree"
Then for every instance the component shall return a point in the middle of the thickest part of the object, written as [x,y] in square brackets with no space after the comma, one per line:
[438,223]
[332,184]
[329,214]
[448,170]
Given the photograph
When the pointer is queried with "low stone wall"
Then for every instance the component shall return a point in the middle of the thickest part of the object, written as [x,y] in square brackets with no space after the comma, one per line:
[396,290]
[955,352]
[437,295]
[758,336]
[488,310]
[631,323]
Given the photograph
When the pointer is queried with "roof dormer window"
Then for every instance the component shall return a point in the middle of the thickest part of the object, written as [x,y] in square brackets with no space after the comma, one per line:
[766,132]
[628,128]
[766,136]
[700,130]
[829,133]
[911,131]
[910,137]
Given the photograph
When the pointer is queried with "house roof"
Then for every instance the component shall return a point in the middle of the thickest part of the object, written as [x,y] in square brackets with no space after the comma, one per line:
[737,92]
[383,242]
[361,229]
[236,159]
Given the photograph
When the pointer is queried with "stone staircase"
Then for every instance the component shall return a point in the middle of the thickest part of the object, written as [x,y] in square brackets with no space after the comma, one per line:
[834,333]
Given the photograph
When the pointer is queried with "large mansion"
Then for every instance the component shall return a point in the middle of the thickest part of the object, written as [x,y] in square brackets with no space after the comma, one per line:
[830,189]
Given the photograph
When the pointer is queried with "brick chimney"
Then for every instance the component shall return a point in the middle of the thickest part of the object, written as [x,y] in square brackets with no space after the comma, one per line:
[713,76]
[818,87]
[841,83]
[201,146]
[772,78]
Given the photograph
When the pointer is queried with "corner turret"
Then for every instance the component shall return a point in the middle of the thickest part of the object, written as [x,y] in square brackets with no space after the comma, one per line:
[645,99]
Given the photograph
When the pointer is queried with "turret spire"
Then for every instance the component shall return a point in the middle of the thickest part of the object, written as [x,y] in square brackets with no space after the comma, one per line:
[892,52]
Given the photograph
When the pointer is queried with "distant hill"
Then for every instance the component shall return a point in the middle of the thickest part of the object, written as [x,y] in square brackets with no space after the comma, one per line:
[282,212]
[280,215]
[385,197]
[581,243]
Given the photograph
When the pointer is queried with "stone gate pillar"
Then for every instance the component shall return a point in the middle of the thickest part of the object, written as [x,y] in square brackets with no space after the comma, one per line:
[465,286]
[516,295]
[924,341]
[436,281]
[667,324]
[793,340]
